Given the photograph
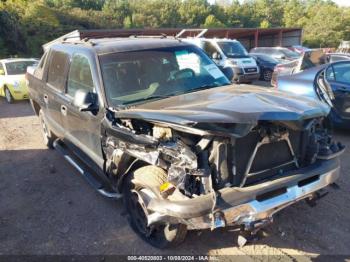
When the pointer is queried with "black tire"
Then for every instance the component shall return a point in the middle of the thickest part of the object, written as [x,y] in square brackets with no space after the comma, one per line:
[48,137]
[267,75]
[159,236]
[8,95]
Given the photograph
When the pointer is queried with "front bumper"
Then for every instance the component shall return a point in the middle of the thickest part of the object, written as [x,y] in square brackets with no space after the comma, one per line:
[247,205]
[241,77]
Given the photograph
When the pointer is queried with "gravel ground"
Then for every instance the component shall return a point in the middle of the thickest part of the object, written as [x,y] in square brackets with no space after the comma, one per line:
[47,208]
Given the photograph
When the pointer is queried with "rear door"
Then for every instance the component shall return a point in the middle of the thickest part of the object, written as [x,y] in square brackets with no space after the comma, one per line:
[338,76]
[53,92]
[82,128]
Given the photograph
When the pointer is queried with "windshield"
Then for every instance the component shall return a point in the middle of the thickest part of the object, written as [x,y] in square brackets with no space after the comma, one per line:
[131,77]
[233,49]
[18,68]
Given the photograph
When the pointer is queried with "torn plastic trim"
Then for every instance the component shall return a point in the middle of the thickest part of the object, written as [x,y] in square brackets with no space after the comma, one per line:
[127,135]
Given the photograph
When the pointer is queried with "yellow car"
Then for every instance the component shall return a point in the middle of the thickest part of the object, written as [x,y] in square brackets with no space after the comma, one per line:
[12,78]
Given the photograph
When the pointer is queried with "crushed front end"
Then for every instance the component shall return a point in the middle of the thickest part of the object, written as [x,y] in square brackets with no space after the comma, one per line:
[222,174]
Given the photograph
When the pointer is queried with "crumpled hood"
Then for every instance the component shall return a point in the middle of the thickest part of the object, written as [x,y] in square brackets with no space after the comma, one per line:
[229,104]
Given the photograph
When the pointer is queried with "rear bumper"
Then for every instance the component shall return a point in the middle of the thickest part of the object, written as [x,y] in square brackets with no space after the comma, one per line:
[19,94]
[243,206]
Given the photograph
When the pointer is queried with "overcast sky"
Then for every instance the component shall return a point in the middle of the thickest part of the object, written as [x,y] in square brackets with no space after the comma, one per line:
[342,2]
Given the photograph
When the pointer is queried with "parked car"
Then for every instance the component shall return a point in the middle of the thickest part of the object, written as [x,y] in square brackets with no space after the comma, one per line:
[282,54]
[306,61]
[12,82]
[299,49]
[155,121]
[334,57]
[227,53]
[328,82]
[266,65]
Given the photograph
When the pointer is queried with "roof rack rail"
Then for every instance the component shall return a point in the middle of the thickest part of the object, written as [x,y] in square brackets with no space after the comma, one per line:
[189,30]
[162,35]
[78,36]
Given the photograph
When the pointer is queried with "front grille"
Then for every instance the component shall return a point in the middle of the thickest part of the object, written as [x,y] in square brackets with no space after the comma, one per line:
[250,70]
[270,160]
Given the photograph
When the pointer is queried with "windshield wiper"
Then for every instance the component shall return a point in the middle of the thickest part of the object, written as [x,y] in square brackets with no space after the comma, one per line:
[206,86]
[146,98]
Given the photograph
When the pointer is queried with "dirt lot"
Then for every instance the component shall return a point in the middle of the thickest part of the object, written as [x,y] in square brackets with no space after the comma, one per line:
[47,208]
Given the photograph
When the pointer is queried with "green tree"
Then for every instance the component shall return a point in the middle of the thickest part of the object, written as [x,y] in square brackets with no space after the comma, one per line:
[194,12]
[212,22]
[118,10]
[324,26]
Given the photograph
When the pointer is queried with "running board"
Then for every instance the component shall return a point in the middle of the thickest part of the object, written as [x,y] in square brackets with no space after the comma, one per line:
[91,179]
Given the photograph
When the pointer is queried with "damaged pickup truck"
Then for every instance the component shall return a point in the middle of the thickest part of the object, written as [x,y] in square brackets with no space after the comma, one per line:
[153,120]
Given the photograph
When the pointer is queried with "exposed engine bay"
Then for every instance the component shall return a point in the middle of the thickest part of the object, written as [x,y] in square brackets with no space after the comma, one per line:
[199,161]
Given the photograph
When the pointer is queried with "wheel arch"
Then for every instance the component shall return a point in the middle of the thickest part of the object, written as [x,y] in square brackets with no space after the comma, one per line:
[125,167]
[36,107]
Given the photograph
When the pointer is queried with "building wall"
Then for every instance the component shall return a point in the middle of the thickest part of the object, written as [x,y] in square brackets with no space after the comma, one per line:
[288,39]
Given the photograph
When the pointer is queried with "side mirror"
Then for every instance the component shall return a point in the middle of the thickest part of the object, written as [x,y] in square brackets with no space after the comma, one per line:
[2,72]
[216,56]
[228,72]
[86,101]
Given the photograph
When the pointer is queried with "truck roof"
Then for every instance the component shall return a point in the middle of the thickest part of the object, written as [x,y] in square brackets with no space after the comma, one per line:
[114,45]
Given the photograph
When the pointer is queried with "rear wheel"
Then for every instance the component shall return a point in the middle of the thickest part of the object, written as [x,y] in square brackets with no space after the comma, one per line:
[148,180]
[8,96]
[46,133]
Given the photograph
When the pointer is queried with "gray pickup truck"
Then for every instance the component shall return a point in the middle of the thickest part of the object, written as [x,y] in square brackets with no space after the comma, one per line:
[154,121]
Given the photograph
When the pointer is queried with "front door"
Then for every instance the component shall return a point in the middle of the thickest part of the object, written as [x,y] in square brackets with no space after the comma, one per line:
[338,76]
[82,128]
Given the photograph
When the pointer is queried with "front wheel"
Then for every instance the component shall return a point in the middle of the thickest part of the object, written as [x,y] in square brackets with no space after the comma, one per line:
[267,75]
[8,96]
[161,235]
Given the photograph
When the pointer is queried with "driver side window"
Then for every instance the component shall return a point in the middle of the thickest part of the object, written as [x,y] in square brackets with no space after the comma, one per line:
[80,76]
[330,74]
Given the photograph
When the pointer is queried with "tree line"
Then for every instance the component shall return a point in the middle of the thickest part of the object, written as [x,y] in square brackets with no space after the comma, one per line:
[26,24]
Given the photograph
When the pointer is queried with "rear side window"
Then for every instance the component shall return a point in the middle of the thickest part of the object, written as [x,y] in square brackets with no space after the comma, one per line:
[209,49]
[39,71]
[80,76]
[58,69]
[1,67]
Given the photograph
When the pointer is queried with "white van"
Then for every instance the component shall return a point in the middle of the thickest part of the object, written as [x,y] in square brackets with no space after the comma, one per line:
[227,53]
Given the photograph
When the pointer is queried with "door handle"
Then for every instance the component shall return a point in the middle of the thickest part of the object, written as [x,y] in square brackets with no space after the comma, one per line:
[46,99]
[63,110]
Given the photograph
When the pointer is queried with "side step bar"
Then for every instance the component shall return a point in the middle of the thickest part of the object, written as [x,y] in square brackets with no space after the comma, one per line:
[91,179]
